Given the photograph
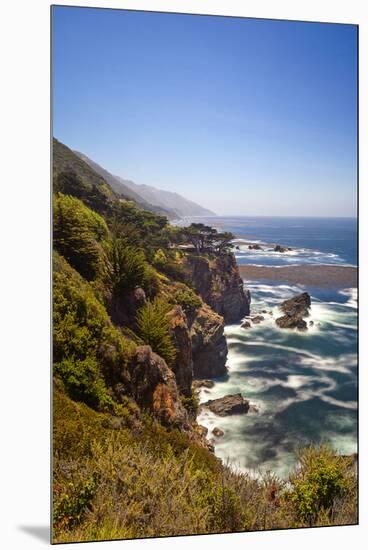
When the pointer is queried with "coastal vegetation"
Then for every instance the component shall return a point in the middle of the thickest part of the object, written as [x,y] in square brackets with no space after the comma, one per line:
[139,307]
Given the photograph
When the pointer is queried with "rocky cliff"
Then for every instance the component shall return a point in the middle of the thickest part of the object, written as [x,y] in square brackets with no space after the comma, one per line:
[219,284]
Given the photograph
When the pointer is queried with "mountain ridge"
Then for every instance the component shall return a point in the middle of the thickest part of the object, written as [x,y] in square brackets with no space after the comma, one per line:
[177,205]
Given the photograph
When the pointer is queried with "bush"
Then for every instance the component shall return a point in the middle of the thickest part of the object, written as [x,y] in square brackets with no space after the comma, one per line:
[77,232]
[186,298]
[320,480]
[83,382]
[154,329]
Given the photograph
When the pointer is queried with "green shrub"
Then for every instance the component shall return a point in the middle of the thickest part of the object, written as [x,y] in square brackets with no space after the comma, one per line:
[321,478]
[154,329]
[83,382]
[77,232]
[186,298]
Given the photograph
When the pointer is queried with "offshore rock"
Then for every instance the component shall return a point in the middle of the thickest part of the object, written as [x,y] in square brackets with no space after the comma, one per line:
[294,310]
[230,404]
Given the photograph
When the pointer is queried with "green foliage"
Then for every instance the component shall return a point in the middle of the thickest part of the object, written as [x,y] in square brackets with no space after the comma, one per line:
[128,267]
[83,382]
[88,351]
[320,480]
[205,239]
[186,298]
[77,232]
[70,506]
[153,328]
[191,404]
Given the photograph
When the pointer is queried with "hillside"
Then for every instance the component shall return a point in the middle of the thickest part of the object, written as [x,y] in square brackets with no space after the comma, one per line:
[67,161]
[173,203]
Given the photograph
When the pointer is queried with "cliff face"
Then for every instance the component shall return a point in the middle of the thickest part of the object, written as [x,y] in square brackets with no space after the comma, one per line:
[209,345]
[219,284]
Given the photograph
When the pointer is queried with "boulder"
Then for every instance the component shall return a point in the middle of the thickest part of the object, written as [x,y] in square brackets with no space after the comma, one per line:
[227,405]
[245,324]
[254,247]
[294,310]
[257,319]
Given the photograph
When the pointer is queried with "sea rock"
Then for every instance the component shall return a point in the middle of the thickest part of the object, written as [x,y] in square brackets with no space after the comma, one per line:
[203,384]
[255,247]
[294,310]
[219,284]
[257,319]
[218,432]
[311,323]
[245,324]
[279,248]
[230,404]
[209,347]
[153,386]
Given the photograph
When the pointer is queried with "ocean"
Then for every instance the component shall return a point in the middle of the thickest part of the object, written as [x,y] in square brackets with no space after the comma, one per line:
[303,385]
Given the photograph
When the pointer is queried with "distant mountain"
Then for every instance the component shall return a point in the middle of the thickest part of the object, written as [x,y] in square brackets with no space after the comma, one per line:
[92,181]
[173,203]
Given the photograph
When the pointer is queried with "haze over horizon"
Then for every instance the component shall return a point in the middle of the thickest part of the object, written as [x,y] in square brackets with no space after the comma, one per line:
[243,116]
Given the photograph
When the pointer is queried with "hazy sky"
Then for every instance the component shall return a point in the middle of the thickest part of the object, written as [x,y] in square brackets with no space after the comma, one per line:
[242,116]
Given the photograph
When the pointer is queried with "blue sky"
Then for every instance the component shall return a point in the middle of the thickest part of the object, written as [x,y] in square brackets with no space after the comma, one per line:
[243,116]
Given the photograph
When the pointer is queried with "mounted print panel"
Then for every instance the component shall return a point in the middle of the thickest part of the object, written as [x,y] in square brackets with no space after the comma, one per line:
[204,274]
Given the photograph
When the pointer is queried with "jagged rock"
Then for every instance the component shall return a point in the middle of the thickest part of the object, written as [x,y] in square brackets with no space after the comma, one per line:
[202,384]
[246,324]
[183,366]
[255,247]
[209,345]
[295,309]
[153,386]
[230,404]
[219,284]
[257,319]
[218,432]
[279,248]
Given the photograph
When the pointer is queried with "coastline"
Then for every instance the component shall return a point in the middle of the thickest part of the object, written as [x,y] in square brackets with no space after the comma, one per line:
[331,276]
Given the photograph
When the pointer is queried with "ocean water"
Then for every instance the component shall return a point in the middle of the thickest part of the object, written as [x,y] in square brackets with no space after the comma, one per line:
[303,385]
[313,240]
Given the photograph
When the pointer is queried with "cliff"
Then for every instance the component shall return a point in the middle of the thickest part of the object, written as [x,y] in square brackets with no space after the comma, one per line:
[218,282]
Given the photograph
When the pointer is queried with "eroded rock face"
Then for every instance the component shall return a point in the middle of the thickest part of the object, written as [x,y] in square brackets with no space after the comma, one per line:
[294,310]
[183,367]
[219,284]
[209,345]
[230,404]
[153,386]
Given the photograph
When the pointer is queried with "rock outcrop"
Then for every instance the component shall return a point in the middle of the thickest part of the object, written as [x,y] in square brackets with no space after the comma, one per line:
[183,366]
[209,347]
[255,247]
[230,404]
[153,386]
[294,310]
[219,284]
